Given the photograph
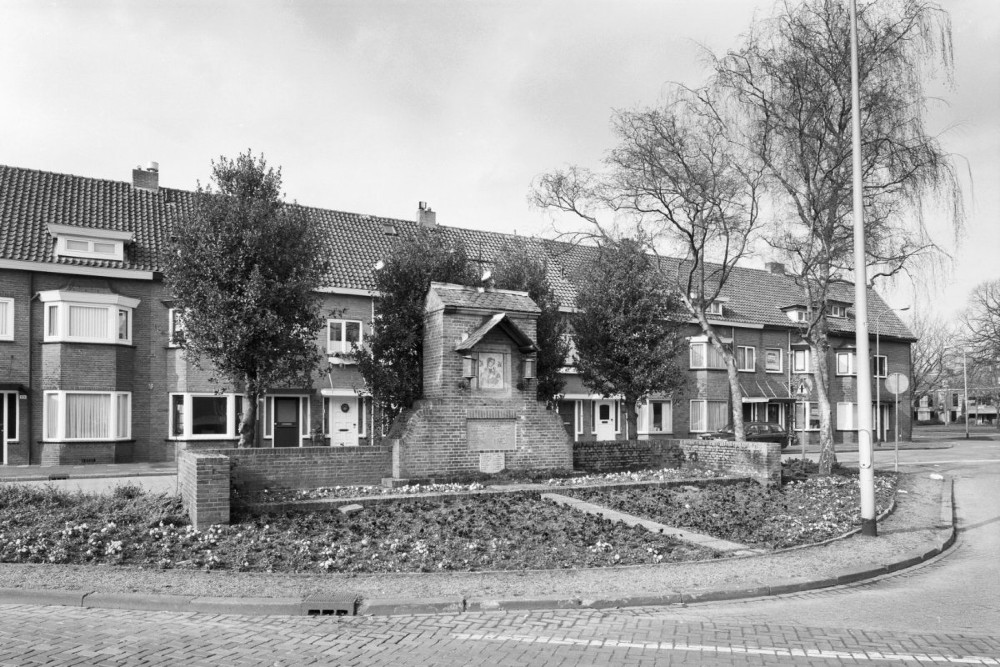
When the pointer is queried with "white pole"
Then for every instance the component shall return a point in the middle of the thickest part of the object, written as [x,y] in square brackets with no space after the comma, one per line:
[866,471]
[895,459]
[965,378]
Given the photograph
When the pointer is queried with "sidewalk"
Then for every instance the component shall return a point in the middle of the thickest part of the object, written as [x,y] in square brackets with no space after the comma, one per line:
[93,471]
[921,527]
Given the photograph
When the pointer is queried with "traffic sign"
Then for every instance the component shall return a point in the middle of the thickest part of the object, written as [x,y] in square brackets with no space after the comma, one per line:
[897,383]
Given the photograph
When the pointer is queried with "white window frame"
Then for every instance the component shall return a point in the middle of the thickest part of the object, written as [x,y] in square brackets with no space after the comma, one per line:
[578,416]
[797,314]
[645,422]
[305,415]
[7,323]
[847,416]
[748,351]
[806,355]
[851,358]
[232,428]
[883,366]
[175,325]
[345,352]
[707,351]
[59,397]
[86,242]
[837,311]
[781,360]
[714,308]
[703,428]
[809,407]
[59,302]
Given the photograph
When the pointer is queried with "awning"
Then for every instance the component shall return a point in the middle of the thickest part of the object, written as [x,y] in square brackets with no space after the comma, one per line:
[764,391]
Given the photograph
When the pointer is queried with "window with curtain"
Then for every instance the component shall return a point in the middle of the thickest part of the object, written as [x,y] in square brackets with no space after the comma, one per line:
[88,322]
[708,416]
[704,355]
[89,415]
[88,317]
[656,417]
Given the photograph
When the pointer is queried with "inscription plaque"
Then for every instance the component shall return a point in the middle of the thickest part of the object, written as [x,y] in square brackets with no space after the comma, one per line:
[492,462]
[491,435]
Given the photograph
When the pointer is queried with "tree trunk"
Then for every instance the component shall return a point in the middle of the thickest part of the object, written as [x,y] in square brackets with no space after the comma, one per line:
[736,398]
[632,417]
[821,372]
[248,423]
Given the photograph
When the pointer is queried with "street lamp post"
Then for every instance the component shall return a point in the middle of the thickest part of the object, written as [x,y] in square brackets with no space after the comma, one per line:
[965,381]
[878,385]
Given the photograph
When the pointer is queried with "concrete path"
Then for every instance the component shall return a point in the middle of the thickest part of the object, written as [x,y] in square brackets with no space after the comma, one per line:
[707,541]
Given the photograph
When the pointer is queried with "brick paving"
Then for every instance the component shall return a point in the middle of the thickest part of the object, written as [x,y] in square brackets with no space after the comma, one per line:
[35,636]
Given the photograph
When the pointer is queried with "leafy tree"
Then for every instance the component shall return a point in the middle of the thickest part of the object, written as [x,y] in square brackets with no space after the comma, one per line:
[790,80]
[517,268]
[242,268]
[629,335]
[392,362]
[677,176]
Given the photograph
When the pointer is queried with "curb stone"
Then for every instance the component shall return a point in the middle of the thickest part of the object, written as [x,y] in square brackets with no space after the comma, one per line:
[333,605]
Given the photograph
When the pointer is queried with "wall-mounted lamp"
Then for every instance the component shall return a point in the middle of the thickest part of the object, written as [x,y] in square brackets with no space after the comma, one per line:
[468,367]
[529,368]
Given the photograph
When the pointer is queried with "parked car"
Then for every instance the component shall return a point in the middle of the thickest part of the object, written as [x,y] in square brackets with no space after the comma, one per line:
[756,432]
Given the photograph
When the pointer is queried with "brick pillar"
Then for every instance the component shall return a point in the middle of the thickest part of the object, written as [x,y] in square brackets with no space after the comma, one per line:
[204,480]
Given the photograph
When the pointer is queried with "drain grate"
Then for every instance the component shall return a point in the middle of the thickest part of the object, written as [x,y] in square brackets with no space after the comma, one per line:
[343,604]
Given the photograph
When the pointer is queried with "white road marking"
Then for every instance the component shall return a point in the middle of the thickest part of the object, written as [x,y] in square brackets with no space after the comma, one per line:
[740,650]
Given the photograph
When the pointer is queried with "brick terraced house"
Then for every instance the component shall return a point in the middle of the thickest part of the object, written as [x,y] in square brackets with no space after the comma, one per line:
[88,371]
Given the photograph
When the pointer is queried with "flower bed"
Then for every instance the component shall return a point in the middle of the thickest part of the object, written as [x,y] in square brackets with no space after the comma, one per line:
[499,532]
[802,512]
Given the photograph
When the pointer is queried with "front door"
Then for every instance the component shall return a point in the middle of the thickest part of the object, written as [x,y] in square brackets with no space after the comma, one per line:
[344,422]
[286,421]
[604,420]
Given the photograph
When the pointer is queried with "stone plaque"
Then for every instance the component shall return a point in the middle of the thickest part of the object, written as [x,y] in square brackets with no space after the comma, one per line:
[492,462]
[486,435]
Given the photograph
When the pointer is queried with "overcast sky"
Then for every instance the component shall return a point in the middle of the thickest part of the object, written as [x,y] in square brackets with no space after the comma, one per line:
[372,106]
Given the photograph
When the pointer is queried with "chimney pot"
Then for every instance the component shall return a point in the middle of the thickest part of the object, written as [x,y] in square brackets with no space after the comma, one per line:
[777,268]
[426,216]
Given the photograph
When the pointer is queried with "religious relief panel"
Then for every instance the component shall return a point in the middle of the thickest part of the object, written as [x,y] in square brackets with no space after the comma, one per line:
[491,370]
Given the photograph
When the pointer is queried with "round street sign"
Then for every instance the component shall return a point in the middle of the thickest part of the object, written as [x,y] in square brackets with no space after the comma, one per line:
[897,383]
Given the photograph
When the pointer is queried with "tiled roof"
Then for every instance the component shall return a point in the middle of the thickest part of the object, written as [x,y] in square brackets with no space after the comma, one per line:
[496,300]
[31,199]
[505,324]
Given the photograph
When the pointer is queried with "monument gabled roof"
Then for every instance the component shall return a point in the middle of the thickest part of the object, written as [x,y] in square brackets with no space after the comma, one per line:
[462,296]
[505,324]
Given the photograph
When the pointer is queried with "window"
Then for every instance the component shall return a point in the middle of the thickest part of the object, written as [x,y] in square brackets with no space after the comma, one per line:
[746,358]
[879,366]
[797,314]
[175,327]
[85,317]
[656,417]
[714,308]
[847,416]
[800,361]
[90,243]
[342,336]
[6,319]
[807,416]
[838,311]
[845,363]
[704,355]
[205,416]
[708,416]
[87,415]
[8,410]
[578,413]
[773,360]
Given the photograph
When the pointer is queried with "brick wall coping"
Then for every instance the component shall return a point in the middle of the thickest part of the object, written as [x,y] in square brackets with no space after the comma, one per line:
[525,489]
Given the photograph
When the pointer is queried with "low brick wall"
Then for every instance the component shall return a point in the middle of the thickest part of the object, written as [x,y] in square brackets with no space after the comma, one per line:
[759,460]
[83,453]
[202,474]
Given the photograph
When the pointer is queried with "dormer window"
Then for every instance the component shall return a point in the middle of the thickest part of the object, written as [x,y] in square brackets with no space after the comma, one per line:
[714,308]
[796,313]
[88,243]
[837,310]
[87,317]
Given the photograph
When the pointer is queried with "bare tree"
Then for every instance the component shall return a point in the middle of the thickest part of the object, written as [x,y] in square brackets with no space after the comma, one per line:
[981,321]
[929,355]
[791,78]
[678,180]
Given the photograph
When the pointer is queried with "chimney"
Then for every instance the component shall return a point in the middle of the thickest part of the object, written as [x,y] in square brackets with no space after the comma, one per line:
[426,216]
[777,268]
[147,178]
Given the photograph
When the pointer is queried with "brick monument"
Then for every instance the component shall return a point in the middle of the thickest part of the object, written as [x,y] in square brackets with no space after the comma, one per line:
[478,412]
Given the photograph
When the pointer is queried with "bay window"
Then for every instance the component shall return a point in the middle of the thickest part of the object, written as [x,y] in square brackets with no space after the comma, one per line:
[85,317]
[87,415]
[704,355]
[655,417]
[205,416]
[708,416]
